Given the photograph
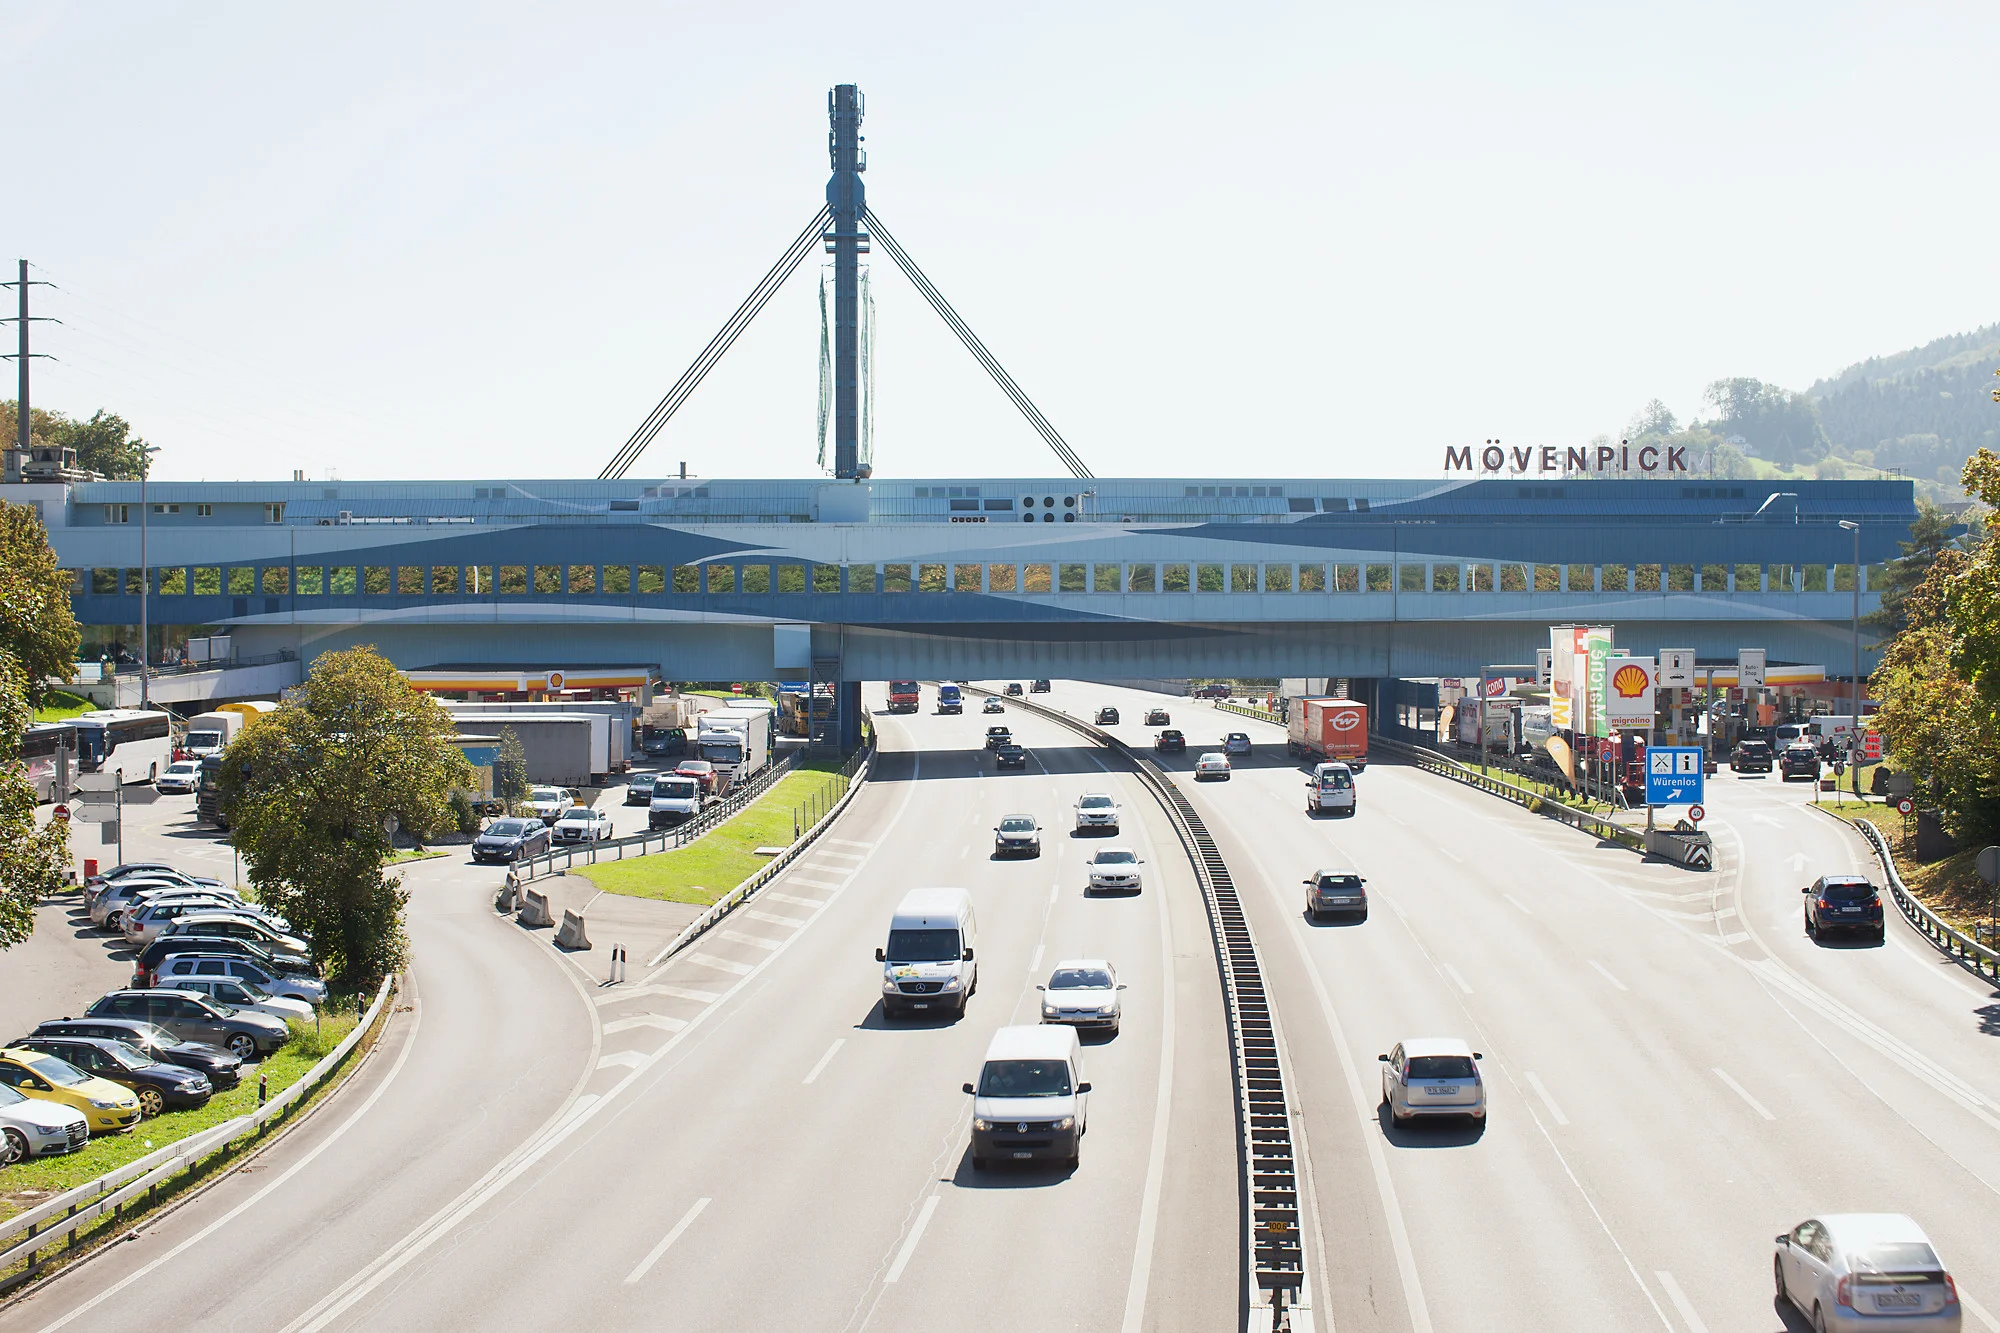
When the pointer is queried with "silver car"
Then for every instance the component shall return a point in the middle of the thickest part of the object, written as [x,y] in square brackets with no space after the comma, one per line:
[1115,868]
[1095,813]
[1083,992]
[1433,1076]
[1865,1270]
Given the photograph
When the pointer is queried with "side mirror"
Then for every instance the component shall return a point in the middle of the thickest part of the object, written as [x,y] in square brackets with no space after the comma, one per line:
[1383,1058]
[1121,985]
[1783,1238]
[1806,889]
[968,1090]
[965,957]
[881,957]
[1082,1088]
[1041,987]
[1479,1055]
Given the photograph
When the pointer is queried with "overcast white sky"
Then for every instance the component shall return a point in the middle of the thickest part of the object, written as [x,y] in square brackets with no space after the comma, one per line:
[471,240]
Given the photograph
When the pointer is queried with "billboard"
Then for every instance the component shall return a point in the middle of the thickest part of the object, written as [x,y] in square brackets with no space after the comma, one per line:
[1595,651]
[1749,666]
[1676,669]
[1627,698]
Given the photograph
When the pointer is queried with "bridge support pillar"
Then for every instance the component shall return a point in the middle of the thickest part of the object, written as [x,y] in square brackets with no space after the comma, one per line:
[850,715]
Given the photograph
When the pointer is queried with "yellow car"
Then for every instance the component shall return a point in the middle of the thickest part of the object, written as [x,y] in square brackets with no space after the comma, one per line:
[108,1107]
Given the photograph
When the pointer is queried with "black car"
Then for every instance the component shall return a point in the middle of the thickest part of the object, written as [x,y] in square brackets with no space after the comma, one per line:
[1170,742]
[1158,717]
[158,1085]
[147,970]
[997,737]
[223,1069]
[511,839]
[1843,902]
[639,788]
[1014,689]
[1039,687]
[1800,760]
[1211,692]
[1010,755]
[1107,716]
[1751,757]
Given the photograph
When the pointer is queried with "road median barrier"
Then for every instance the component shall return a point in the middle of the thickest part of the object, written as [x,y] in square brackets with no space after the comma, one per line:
[1604,830]
[1955,944]
[534,913]
[1696,851]
[571,934]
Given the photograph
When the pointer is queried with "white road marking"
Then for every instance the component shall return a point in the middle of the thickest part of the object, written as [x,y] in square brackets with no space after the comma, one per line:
[1391,818]
[677,992]
[1735,937]
[580,1105]
[824,850]
[964,852]
[1766,819]
[1548,1101]
[1740,1091]
[847,842]
[744,937]
[1680,1300]
[1054,889]
[824,1060]
[653,1255]
[720,964]
[660,1021]
[1977,1311]
[629,1059]
[1035,963]
[1603,972]
[910,1244]
[1457,980]
[1517,902]
[1156,1152]
[1450,855]
[794,899]
[811,883]
[773,918]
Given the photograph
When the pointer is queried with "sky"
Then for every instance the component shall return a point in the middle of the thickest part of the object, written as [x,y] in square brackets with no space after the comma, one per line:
[481,240]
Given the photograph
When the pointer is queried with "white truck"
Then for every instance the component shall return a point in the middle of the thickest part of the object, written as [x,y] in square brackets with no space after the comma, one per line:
[210,733]
[738,746]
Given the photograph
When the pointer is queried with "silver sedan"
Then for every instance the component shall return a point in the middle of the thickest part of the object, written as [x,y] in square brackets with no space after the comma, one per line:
[1865,1270]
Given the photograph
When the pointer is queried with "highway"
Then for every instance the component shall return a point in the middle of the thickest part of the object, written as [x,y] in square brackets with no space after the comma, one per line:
[738,1135]
[1676,1072]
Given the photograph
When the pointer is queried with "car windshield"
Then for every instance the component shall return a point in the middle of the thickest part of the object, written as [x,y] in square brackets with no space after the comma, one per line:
[1894,1256]
[1441,1066]
[1017,824]
[922,946]
[59,1072]
[508,828]
[545,794]
[1080,978]
[1094,803]
[1847,891]
[642,780]
[1115,859]
[128,1056]
[998,731]
[1024,1078]
[9,1097]
[697,766]
[683,787]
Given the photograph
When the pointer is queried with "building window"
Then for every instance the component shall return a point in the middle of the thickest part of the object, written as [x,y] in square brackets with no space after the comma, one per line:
[1209,578]
[104,582]
[1103,578]
[1714,578]
[1277,578]
[791,578]
[582,580]
[1174,578]
[618,579]
[166,509]
[311,580]
[1843,578]
[687,578]
[340,581]
[965,578]
[721,578]
[1615,578]
[1480,579]
[173,582]
[204,511]
[548,580]
[277,580]
[479,580]
[513,581]
[208,580]
[861,578]
[1815,580]
[1037,578]
[895,578]
[375,580]
[1582,578]
[930,578]
[1142,578]
[242,581]
[409,580]
[826,578]
[118,513]
[1070,578]
[1409,578]
[444,580]
[274,512]
[1300,504]
[1381,578]
[1646,578]
[1312,578]
[1781,578]
[1347,578]
[1444,578]
[757,578]
[1548,578]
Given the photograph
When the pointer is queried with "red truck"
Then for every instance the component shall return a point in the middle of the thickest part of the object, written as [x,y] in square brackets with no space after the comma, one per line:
[1335,729]
[904,696]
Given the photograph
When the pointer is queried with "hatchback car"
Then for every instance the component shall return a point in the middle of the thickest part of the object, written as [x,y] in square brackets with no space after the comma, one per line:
[1800,760]
[549,804]
[227,994]
[1017,835]
[1336,892]
[510,840]
[992,705]
[1039,687]
[1010,755]
[1158,717]
[222,1069]
[1236,742]
[997,737]
[159,1086]
[1107,716]
[1170,742]
[31,1127]
[1875,1271]
[1014,690]
[666,741]
[1212,765]
[1843,902]
[193,1018]
[108,1107]
[581,823]
[1096,813]
[245,973]
[1432,1076]
[1083,992]
[1750,757]
[1114,869]
[179,779]
[639,788]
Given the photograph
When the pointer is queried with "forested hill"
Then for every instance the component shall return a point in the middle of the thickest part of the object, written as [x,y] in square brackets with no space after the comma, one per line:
[1922,410]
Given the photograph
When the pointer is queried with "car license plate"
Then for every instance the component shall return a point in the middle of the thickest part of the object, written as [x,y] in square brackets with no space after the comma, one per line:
[920,1004]
[1440,1092]
[1900,1300]
[1024,1155]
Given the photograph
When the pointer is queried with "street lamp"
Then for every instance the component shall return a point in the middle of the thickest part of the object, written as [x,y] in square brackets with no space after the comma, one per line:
[1854,731]
[146,452]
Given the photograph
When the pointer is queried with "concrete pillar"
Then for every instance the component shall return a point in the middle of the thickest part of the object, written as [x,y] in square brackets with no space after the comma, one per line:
[850,715]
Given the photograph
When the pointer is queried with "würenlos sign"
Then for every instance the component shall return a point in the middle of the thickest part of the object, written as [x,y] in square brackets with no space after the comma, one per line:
[1517,459]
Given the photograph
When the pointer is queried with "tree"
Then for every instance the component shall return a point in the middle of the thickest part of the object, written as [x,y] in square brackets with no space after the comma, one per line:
[33,860]
[510,769]
[36,627]
[104,443]
[314,792]
[1653,419]
[1777,424]
[1930,536]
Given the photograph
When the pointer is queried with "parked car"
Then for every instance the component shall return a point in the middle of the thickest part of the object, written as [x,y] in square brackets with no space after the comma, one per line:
[223,1069]
[997,737]
[1083,993]
[1211,691]
[1847,1271]
[1114,868]
[144,923]
[1017,835]
[510,839]
[1039,687]
[175,967]
[992,705]
[549,804]
[639,788]
[146,971]
[238,925]
[228,995]
[192,1018]
[107,908]
[1014,690]
[1096,813]
[1107,716]
[1157,717]
[1010,755]
[152,869]
[701,770]
[1212,765]
[159,1086]
[1235,743]
[1170,741]
[1800,760]
[108,1107]
[1331,892]
[1843,902]
[1751,757]
[1433,1076]
[179,778]
[582,823]
[31,1127]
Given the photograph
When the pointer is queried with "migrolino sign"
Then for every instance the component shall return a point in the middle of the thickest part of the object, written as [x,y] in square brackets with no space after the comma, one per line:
[1518,459]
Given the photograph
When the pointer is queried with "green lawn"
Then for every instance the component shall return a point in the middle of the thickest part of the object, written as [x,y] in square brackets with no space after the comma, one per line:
[717,862]
[414,854]
[61,704]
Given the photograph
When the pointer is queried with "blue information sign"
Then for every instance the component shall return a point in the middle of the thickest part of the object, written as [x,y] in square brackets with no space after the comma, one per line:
[1674,775]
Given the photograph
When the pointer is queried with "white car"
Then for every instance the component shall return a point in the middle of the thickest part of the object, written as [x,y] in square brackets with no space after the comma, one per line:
[1083,992]
[1236,742]
[1433,1076]
[1212,765]
[1875,1271]
[227,995]
[1115,868]
[35,1127]
[178,968]
[581,823]
[1096,813]
[549,804]
[1330,788]
[180,777]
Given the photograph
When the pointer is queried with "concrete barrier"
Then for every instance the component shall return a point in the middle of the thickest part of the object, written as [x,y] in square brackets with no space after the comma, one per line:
[506,899]
[571,935]
[1696,851]
[534,912]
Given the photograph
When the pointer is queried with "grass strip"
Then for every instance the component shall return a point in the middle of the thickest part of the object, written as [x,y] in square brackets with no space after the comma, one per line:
[724,857]
[60,705]
[1951,887]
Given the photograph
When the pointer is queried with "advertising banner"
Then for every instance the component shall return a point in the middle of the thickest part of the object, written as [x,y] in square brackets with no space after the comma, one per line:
[1627,700]
[1596,651]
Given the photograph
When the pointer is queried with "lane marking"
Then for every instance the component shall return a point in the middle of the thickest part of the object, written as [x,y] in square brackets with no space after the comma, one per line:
[1536,1083]
[629,1059]
[743,937]
[720,964]
[1054,889]
[648,988]
[1680,1300]
[845,856]
[1740,1091]
[826,1059]
[1517,902]
[1605,973]
[848,842]
[1035,963]
[1449,854]
[1735,937]
[1452,972]
[773,918]
[809,882]
[1977,1311]
[579,1106]
[794,899]
[1156,1153]
[660,1021]
[910,1244]
[653,1255]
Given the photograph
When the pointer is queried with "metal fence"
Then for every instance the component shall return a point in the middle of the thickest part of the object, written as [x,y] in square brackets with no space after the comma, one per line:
[1985,962]
[1430,760]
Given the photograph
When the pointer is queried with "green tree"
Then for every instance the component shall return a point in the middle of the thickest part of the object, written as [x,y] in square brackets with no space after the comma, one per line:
[33,860]
[36,627]
[1777,424]
[105,443]
[314,792]
[510,769]
[1930,536]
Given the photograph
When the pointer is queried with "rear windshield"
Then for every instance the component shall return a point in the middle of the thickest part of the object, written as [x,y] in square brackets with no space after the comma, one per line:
[1848,893]
[1753,747]
[1340,881]
[1901,1256]
[1336,780]
[1440,1066]
[1025,1078]
[922,946]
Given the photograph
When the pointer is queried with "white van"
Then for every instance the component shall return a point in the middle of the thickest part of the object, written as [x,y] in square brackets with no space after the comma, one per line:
[928,962]
[1331,787]
[675,801]
[1031,1100]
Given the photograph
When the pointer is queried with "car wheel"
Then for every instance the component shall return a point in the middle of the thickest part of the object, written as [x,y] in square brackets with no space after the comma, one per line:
[1812,931]
[1778,1278]
[13,1147]
[151,1103]
[1819,1319]
[243,1046]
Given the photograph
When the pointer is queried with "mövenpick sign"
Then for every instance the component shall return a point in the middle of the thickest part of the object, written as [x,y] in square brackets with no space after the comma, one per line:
[1621,457]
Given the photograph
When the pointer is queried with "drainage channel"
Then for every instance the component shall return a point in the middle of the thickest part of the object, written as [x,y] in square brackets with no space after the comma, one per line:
[1272,1237]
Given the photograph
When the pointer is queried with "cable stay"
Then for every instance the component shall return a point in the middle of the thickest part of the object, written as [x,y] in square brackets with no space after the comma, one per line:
[760,296]
[978,349]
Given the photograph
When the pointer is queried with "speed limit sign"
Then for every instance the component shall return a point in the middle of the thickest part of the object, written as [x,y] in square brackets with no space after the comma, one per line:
[60,814]
[1904,806]
[1695,813]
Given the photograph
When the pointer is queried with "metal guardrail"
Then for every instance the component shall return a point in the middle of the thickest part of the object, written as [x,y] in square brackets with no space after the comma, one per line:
[48,1223]
[1255,714]
[655,840]
[1950,941]
[1535,802]
[855,771]
[1273,1243]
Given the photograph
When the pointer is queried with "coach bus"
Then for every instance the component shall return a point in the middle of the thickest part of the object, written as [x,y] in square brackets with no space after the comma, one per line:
[42,744]
[136,744]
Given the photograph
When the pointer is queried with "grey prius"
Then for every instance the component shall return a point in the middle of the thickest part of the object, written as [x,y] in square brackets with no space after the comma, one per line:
[244,1034]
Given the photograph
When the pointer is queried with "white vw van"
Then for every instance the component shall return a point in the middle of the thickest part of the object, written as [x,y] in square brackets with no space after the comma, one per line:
[928,964]
[1031,1101]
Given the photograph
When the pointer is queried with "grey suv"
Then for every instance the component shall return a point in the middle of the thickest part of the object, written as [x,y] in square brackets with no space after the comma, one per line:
[191,1018]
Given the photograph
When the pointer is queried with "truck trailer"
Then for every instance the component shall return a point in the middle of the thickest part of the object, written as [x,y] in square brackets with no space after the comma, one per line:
[619,738]
[738,746]
[563,750]
[1329,729]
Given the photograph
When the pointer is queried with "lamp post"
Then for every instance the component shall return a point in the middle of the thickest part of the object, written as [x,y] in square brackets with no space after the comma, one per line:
[1854,732]
[146,452]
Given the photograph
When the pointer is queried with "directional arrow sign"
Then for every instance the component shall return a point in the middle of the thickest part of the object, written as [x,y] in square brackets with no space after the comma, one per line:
[1797,861]
[1674,776]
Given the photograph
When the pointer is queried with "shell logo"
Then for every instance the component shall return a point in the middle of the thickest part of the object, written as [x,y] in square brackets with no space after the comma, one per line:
[1629,682]
[555,680]
[1346,721]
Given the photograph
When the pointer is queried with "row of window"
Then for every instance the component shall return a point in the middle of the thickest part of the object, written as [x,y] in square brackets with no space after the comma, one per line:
[122,513]
[615,580]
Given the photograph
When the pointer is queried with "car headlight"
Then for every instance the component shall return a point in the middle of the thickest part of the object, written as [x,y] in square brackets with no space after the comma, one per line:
[889,986]
[952,983]
[981,1125]
[105,1106]
[1108,1009]
[1049,1010]
[1067,1122]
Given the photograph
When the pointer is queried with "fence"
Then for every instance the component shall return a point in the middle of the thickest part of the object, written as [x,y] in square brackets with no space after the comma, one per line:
[815,807]
[60,1218]
[1954,943]
[1432,761]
